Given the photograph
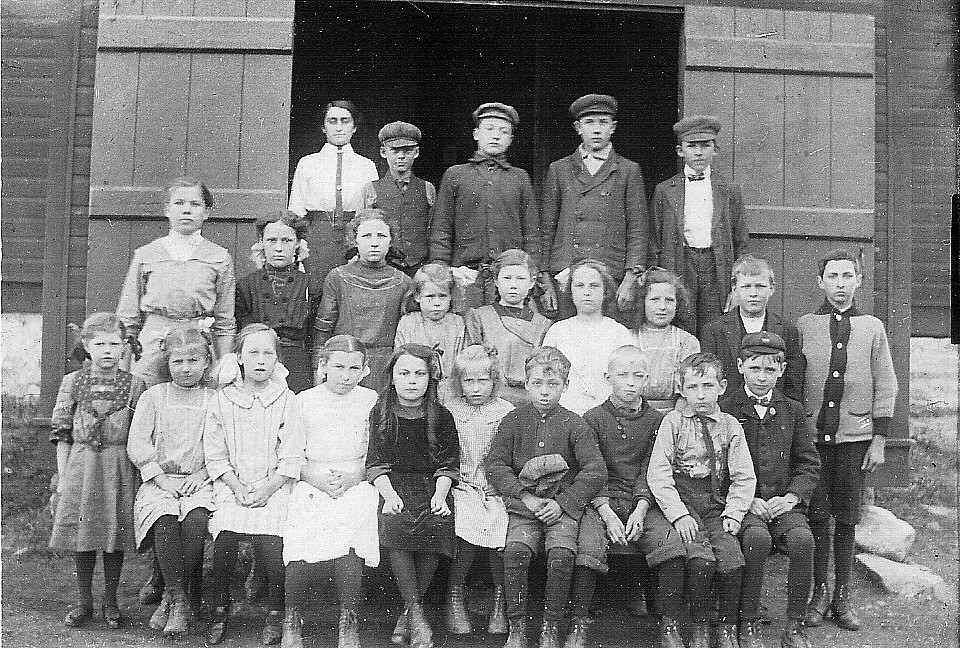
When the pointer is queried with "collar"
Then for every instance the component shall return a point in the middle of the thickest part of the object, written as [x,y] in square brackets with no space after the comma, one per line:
[826,308]
[480,157]
[602,154]
[519,312]
[687,411]
[687,171]
[767,399]
[244,398]
[402,180]
[548,414]
[618,411]
[185,239]
[329,150]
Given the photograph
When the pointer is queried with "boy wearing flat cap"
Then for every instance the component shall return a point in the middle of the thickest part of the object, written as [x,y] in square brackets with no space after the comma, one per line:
[594,206]
[404,196]
[787,466]
[485,206]
[698,221]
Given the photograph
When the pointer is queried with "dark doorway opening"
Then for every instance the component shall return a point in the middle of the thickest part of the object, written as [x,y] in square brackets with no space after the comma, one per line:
[432,63]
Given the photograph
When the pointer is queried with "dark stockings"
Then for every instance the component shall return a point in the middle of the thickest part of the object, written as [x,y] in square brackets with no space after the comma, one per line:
[698,582]
[179,548]
[86,561]
[413,573]
[843,541]
[302,576]
[466,554]
[225,553]
[581,594]
[670,578]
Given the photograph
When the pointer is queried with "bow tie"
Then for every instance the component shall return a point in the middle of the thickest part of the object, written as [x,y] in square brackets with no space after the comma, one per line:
[761,400]
[694,178]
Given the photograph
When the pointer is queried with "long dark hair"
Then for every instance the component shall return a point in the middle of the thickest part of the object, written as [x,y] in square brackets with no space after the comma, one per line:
[383,418]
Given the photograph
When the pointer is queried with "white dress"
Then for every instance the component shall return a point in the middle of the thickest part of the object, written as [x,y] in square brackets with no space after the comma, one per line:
[480,519]
[588,347]
[320,527]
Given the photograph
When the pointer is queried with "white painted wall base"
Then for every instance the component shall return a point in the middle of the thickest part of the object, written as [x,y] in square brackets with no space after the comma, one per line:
[20,347]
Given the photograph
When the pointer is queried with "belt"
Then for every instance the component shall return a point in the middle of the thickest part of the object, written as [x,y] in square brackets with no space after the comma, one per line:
[706,250]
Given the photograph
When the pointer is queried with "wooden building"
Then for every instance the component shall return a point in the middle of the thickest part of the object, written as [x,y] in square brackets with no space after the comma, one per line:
[839,124]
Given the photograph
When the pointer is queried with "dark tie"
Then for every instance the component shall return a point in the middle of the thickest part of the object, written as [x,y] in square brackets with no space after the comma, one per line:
[338,212]
[711,454]
[694,178]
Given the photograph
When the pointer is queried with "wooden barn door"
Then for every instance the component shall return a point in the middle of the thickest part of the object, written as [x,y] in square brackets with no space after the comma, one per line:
[198,87]
[795,92]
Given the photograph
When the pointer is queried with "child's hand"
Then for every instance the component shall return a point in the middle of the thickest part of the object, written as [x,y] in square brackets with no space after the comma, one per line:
[635,524]
[331,483]
[392,504]
[549,299]
[532,502]
[625,291]
[761,509]
[777,506]
[193,483]
[687,527]
[259,496]
[550,512]
[731,526]
[438,505]
[875,454]
[615,529]
[168,485]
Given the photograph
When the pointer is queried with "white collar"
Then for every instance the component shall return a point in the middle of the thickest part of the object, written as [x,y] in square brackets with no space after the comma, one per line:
[687,171]
[602,154]
[329,150]
[768,398]
[185,239]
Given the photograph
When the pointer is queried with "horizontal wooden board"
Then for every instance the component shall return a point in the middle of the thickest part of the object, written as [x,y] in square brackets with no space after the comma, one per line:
[195,33]
[757,54]
[138,202]
[820,222]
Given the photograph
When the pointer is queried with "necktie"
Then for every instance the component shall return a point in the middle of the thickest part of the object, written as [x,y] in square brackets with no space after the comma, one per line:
[763,401]
[338,212]
[711,454]
[694,178]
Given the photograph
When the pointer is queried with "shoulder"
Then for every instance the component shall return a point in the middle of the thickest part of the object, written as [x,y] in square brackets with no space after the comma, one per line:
[155,250]
[501,406]
[69,380]
[613,326]
[626,163]
[312,159]
[685,337]
[596,415]
[213,253]
[670,183]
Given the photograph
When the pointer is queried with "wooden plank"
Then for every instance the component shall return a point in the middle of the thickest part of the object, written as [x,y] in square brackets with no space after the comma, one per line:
[753,53]
[707,21]
[853,141]
[758,23]
[115,104]
[213,121]
[850,28]
[825,222]
[806,25]
[265,130]
[758,137]
[162,101]
[136,203]
[110,246]
[219,7]
[271,8]
[110,9]
[712,93]
[167,7]
[208,34]
[807,141]
[246,236]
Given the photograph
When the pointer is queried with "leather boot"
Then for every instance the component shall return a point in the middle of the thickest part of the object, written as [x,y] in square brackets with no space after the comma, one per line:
[401,631]
[794,635]
[292,628]
[218,625]
[349,632]
[457,619]
[549,635]
[818,606]
[577,636]
[518,634]
[273,628]
[750,635]
[178,621]
[421,636]
[843,613]
[670,634]
[727,636]
[498,612]
[701,635]
[158,621]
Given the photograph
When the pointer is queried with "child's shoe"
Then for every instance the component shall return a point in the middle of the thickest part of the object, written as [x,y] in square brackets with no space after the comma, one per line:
[842,611]
[272,628]
[349,633]
[794,636]
[498,612]
[727,636]
[292,628]
[518,634]
[78,616]
[701,635]
[218,625]
[421,636]
[670,634]
[577,637]
[458,621]
[549,635]
[750,635]
[111,615]
[818,606]
[401,631]
[178,621]
[158,620]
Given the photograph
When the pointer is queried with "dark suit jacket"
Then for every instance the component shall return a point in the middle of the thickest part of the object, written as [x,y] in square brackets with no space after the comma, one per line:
[601,216]
[728,231]
[781,445]
[722,338]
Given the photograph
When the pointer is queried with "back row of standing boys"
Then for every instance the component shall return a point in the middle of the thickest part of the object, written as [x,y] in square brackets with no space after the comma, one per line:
[563,436]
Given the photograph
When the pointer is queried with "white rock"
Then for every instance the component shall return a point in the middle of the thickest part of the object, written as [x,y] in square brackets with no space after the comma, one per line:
[946,512]
[882,533]
[905,580]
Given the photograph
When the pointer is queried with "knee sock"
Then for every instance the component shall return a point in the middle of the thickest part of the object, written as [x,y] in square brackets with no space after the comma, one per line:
[112,565]
[168,546]
[557,590]
[698,584]
[582,590]
[460,567]
[349,570]
[405,575]
[821,551]
[670,579]
[843,539]
[193,532]
[270,550]
[225,550]
[755,542]
[86,562]
[495,557]
[516,565]
[729,586]
[799,543]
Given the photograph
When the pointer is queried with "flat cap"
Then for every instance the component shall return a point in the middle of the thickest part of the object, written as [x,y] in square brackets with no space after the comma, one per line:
[593,104]
[498,110]
[763,343]
[400,133]
[697,128]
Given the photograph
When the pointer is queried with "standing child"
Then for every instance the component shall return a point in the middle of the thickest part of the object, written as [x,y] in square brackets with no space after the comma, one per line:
[698,224]
[588,338]
[545,463]
[432,324]
[485,206]
[365,297]
[413,461]
[662,297]
[280,294]
[481,520]
[510,325]
[850,388]
[95,480]
[701,475]
[174,503]
[253,445]
[333,511]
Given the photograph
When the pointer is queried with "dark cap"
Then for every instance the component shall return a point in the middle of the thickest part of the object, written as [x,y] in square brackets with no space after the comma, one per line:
[593,104]
[399,134]
[762,343]
[498,110]
[697,128]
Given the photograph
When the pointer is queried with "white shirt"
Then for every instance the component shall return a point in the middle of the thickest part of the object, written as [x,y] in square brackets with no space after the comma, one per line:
[181,247]
[760,409]
[314,181]
[752,324]
[594,160]
[697,209]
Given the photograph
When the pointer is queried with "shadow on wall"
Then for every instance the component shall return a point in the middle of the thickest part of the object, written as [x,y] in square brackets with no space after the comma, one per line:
[21,354]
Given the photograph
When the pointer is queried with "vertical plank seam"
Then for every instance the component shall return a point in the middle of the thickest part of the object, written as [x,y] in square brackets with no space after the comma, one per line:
[186,134]
[240,156]
[136,120]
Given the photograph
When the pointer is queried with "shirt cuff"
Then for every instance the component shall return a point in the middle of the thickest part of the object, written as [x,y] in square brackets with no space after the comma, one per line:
[290,467]
[376,471]
[675,512]
[61,436]
[218,468]
[734,514]
[454,475]
[150,471]
[599,501]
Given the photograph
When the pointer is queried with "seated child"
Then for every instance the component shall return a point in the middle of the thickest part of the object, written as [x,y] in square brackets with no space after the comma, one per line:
[788,467]
[702,477]
[554,439]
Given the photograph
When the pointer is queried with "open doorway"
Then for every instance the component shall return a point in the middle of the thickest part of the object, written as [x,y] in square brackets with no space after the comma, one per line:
[432,63]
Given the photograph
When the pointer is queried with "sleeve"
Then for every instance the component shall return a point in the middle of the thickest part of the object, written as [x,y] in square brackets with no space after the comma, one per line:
[128,308]
[498,465]
[369,196]
[592,476]
[140,441]
[641,489]
[327,314]
[474,328]
[658,213]
[370,173]
[243,302]
[551,338]
[215,450]
[292,444]
[61,420]
[638,221]
[688,345]
[298,190]
[448,448]
[529,218]
[743,479]
[224,325]
[804,458]
[884,378]
[550,215]
[444,213]
[796,364]
[660,470]
[403,333]
[738,223]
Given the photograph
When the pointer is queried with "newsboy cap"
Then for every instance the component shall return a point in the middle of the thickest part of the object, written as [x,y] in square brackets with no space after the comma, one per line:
[593,104]
[498,110]
[697,128]
[763,343]
[400,133]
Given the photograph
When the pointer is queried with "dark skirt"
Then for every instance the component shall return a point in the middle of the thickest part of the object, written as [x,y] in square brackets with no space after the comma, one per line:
[416,528]
[294,357]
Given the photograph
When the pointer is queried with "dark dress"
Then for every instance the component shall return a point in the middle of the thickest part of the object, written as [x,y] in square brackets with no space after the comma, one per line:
[414,466]
[286,300]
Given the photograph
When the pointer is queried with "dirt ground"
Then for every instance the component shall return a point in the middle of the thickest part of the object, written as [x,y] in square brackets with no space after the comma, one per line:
[38,585]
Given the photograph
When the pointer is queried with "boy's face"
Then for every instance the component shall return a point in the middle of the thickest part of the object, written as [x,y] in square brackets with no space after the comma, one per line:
[513,284]
[627,377]
[493,135]
[545,387]
[185,210]
[839,282]
[338,126]
[697,155]
[760,373]
[702,391]
[754,291]
[434,301]
[105,350]
[595,131]
[399,158]
[373,240]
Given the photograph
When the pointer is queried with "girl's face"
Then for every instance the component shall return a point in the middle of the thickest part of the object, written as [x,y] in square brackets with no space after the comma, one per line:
[279,244]
[105,349]
[586,290]
[373,240]
[434,301]
[187,365]
[660,305]
[411,375]
[344,371]
[258,357]
[476,383]
[186,210]
[513,284]
[338,126]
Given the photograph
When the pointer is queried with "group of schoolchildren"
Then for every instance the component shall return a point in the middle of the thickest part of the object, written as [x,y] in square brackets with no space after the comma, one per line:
[434,374]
